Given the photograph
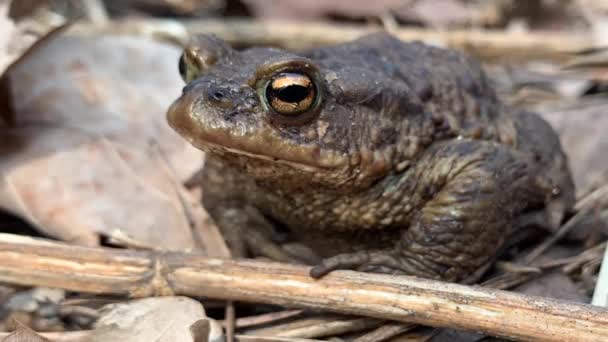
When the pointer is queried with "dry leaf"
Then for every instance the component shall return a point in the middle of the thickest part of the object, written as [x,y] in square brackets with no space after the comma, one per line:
[7,32]
[31,300]
[17,39]
[317,9]
[24,334]
[170,319]
[554,283]
[176,7]
[434,13]
[582,129]
[91,151]
[439,13]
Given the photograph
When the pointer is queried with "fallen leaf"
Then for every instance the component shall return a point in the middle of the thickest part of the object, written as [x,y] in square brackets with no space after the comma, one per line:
[91,152]
[433,13]
[439,13]
[26,8]
[167,7]
[554,283]
[450,335]
[318,9]
[582,129]
[7,31]
[24,334]
[31,300]
[170,319]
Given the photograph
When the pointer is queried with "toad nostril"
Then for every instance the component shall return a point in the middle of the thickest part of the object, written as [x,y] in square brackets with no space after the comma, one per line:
[216,93]
[219,97]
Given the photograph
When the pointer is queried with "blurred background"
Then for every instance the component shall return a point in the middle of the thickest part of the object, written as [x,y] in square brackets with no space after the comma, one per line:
[86,156]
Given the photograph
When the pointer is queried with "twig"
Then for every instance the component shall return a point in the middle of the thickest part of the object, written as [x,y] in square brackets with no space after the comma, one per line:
[86,335]
[386,332]
[95,11]
[484,43]
[563,230]
[74,310]
[246,322]
[598,196]
[229,327]
[205,233]
[571,263]
[315,327]
[245,338]
[71,336]
[38,262]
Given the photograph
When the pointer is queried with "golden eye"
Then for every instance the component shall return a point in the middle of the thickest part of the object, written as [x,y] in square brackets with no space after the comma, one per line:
[291,93]
[188,69]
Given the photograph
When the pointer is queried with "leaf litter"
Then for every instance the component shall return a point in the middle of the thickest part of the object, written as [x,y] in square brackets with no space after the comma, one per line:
[86,154]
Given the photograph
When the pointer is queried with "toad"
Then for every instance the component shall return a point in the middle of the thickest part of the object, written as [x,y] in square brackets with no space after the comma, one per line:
[380,155]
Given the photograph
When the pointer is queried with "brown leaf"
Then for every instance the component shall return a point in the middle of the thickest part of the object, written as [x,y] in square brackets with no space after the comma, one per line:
[317,9]
[18,40]
[582,129]
[25,8]
[434,13]
[156,319]
[24,334]
[91,152]
[6,96]
[438,13]
[554,283]
[181,7]
[7,31]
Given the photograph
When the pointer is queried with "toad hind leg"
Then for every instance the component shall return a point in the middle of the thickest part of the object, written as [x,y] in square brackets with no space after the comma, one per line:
[481,186]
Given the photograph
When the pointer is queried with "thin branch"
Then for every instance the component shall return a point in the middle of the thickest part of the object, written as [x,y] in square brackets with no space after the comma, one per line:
[319,326]
[485,44]
[252,321]
[38,262]
[86,336]
[95,11]
[386,332]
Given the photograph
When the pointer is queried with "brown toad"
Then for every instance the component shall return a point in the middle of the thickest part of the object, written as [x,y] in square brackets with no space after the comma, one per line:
[380,155]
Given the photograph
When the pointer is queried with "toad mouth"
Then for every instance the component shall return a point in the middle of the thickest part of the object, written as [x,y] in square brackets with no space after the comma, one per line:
[266,146]
[215,148]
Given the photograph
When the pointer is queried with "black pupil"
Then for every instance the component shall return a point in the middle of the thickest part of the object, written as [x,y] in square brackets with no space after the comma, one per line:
[293,93]
[182,66]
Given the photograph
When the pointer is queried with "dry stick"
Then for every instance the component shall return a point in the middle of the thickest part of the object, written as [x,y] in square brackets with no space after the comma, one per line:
[318,326]
[245,338]
[574,262]
[562,231]
[583,208]
[95,11]
[205,233]
[386,332]
[315,327]
[251,321]
[484,43]
[64,336]
[595,197]
[86,336]
[38,262]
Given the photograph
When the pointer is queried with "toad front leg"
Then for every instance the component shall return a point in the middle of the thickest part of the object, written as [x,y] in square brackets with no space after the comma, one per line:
[470,192]
[243,226]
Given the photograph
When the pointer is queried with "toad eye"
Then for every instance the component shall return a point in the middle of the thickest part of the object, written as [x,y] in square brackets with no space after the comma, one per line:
[291,93]
[188,69]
